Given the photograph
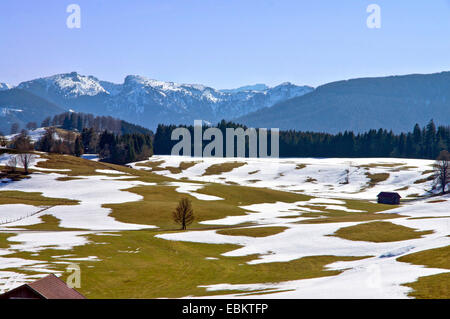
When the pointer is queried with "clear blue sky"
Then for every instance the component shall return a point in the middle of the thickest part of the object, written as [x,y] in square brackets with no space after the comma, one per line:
[223,43]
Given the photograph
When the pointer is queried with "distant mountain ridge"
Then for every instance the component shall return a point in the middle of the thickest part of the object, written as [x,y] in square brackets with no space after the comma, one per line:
[20,106]
[394,102]
[256,87]
[148,102]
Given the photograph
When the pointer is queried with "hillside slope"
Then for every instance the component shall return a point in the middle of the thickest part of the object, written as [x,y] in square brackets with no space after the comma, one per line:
[396,102]
[20,106]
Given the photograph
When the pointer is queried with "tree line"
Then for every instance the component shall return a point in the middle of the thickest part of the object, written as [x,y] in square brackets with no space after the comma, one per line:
[111,147]
[78,121]
[429,142]
[105,136]
[424,143]
[115,141]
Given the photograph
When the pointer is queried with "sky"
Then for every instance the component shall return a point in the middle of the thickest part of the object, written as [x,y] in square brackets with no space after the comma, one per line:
[223,43]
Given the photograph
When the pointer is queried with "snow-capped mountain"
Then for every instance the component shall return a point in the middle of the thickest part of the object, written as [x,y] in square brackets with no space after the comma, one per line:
[5,86]
[256,87]
[148,102]
[70,85]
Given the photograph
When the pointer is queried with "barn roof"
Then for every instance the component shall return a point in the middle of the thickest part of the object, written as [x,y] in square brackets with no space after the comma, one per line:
[389,194]
[51,287]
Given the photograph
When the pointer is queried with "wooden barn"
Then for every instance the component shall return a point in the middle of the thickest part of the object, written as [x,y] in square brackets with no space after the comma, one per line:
[390,198]
[49,287]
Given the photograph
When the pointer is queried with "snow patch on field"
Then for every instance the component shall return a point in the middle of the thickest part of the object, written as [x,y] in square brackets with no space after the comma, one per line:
[88,216]
[190,188]
[39,240]
[323,177]
[10,212]
[378,276]
[35,135]
[268,213]
[91,191]
[6,157]
[366,280]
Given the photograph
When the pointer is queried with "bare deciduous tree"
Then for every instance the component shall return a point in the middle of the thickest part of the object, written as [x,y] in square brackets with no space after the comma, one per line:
[442,170]
[184,214]
[26,159]
[22,143]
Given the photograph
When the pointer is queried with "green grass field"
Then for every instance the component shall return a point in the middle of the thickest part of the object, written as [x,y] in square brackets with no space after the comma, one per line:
[136,264]
[30,198]
[218,169]
[155,166]
[172,269]
[431,287]
[160,201]
[379,232]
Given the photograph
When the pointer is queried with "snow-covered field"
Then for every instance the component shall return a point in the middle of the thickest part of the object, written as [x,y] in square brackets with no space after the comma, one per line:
[35,135]
[316,176]
[89,216]
[378,276]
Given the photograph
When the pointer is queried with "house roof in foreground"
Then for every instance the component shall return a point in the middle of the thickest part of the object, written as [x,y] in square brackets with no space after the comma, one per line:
[51,287]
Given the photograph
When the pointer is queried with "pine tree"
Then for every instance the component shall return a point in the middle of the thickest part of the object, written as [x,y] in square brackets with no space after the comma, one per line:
[46,122]
[429,140]
[46,143]
[78,148]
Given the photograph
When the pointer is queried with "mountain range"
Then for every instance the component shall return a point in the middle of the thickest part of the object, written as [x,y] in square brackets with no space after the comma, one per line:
[149,102]
[395,102]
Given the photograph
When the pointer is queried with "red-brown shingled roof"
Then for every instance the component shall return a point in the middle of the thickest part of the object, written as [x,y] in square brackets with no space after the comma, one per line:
[51,287]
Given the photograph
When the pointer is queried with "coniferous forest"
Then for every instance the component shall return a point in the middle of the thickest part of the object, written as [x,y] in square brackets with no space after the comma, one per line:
[424,143]
[115,141]
[79,121]
[120,142]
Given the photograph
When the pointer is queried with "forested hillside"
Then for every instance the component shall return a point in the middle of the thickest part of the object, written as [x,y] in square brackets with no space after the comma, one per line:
[394,103]
[70,133]
[80,121]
